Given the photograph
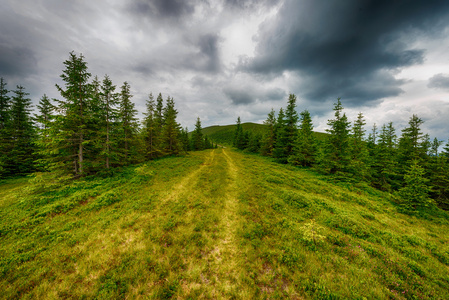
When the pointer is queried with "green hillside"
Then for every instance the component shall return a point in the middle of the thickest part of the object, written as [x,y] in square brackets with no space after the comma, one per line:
[224,134]
[216,224]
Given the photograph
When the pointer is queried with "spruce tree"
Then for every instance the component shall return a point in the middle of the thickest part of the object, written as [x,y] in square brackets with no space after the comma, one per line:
[385,161]
[291,124]
[359,163]
[21,158]
[108,122]
[269,138]
[337,148]
[185,141]
[239,136]
[72,124]
[280,150]
[304,149]
[5,136]
[197,136]
[151,130]
[412,144]
[171,130]
[44,122]
[438,170]
[128,125]
[415,192]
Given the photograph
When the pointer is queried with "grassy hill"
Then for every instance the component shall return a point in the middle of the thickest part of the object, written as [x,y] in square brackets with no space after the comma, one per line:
[216,224]
[224,134]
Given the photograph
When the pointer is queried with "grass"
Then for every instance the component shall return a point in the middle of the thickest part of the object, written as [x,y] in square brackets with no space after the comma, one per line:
[217,224]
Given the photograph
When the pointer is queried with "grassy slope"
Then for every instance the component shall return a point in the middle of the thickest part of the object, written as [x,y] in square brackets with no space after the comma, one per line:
[224,134]
[217,224]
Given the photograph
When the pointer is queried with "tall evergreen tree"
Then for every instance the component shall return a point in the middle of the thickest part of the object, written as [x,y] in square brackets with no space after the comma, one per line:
[304,150]
[438,173]
[385,161]
[359,163]
[412,144]
[108,122]
[44,121]
[269,138]
[5,141]
[151,129]
[21,157]
[185,141]
[128,124]
[239,136]
[337,149]
[74,115]
[197,136]
[415,192]
[291,124]
[280,150]
[171,130]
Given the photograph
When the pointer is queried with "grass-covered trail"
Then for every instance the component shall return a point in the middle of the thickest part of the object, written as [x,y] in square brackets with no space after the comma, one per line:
[215,224]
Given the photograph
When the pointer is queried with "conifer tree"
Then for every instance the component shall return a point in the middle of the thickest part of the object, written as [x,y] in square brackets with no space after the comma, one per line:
[385,161]
[73,121]
[239,136]
[151,130]
[291,124]
[337,150]
[280,152]
[412,144]
[269,139]
[44,120]
[415,192]
[438,170]
[359,163]
[108,122]
[128,124]
[185,141]
[304,150]
[171,130]
[197,136]
[5,141]
[21,157]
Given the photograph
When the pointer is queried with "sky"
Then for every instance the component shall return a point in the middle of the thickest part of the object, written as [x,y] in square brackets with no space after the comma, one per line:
[220,59]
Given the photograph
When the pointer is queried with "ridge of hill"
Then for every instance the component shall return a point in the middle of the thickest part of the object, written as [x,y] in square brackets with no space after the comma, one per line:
[224,134]
[215,224]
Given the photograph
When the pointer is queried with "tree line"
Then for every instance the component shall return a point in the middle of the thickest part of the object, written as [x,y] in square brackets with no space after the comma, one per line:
[92,128]
[408,164]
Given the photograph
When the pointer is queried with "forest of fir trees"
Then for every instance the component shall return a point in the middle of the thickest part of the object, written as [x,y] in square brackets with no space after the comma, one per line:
[408,164]
[92,129]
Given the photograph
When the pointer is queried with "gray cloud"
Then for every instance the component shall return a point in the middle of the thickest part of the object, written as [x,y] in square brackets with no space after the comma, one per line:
[17,61]
[163,9]
[342,48]
[239,96]
[439,81]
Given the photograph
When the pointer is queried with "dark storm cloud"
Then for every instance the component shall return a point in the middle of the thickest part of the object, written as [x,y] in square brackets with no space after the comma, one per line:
[343,48]
[16,61]
[172,9]
[439,81]
[247,94]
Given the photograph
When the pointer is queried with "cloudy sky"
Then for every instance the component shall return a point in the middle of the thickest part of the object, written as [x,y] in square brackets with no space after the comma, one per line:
[221,59]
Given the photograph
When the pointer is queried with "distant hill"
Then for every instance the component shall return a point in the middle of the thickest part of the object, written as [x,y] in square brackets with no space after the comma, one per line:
[224,134]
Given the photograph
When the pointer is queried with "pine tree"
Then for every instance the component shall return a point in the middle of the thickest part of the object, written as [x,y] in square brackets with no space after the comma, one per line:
[337,149]
[239,136]
[304,150]
[269,138]
[128,124]
[151,129]
[72,123]
[438,170]
[5,141]
[171,130]
[197,136]
[280,152]
[415,192]
[385,161]
[291,124]
[412,144]
[185,141]
[44,120]
[21,157]
[359,163]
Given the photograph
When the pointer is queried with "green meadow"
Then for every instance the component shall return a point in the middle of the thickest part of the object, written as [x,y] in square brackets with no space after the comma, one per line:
[215,224]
